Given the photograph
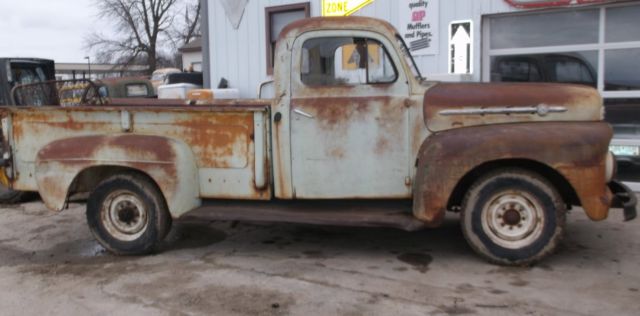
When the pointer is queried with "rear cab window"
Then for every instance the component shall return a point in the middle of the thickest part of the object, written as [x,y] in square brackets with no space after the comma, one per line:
[137,90]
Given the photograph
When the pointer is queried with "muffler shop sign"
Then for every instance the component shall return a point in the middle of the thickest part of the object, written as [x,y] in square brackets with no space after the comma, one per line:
[528,4]
[342,7]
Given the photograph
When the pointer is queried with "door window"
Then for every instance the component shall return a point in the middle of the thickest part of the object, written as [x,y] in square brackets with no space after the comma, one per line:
[333,61]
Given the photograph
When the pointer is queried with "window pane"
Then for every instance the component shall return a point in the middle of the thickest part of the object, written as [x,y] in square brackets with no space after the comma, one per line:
[623,24]
[571,69]
[281,19]
[575,67]
[381,68]
[137,90]
[517,69]
[319,60]
[345,61]
[624,115]
[622,69]
[548,29]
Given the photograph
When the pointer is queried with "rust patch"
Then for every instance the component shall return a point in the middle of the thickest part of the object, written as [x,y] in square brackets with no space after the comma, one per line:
[179,103]
[382,146]
[336,23]
[576,150]
[138,147]
[337,116]
[335,111]
[279,176]
[337,153]
[460,95]
[582,103]
[152,155]
[218,140]
[29,123]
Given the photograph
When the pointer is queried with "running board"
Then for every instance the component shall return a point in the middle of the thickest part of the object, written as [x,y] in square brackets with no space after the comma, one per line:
[393,214]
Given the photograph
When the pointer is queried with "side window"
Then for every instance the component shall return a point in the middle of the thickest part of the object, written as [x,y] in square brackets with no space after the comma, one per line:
[332,61]
[571,71]
[137,90]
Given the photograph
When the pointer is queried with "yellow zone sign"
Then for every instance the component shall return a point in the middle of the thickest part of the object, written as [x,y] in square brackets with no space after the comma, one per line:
[342,7]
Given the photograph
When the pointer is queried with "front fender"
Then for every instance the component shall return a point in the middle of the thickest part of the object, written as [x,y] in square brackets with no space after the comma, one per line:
[170,163]
[577,151]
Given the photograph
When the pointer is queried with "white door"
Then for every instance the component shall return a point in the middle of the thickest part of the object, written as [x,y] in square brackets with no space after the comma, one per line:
[349,123]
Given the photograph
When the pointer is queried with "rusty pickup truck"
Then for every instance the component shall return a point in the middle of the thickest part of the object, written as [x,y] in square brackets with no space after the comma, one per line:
[354,136]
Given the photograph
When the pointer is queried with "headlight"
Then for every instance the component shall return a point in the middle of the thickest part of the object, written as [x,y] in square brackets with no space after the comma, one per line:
[611,167]
[625,150]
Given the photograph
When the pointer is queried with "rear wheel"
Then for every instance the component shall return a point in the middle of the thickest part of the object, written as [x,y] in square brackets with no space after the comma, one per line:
[513,217]
[128,215]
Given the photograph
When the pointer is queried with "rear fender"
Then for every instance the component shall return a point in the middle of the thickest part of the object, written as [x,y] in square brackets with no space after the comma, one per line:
[577,151]
[168,162]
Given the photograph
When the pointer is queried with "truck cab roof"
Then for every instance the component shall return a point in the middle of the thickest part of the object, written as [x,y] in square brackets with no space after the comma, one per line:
[337,23]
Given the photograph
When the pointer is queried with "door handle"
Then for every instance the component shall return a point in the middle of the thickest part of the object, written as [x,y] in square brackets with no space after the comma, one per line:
[303,113]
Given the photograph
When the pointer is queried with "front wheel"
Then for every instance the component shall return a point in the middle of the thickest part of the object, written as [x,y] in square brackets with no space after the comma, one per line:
[513,217]
[128,215]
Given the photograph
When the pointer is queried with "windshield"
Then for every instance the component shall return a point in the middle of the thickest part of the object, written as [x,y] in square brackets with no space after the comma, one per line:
[407,56]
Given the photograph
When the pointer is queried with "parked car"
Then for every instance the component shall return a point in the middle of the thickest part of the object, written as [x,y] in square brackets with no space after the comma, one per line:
[623,114]
[179,84]
[159,77]
[559,68]
[17,71]
[354,137]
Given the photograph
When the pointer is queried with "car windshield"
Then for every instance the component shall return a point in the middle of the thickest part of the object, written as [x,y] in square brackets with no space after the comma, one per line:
[407,56]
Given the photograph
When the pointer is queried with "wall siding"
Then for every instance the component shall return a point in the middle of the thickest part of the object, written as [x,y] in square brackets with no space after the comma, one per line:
[240,55]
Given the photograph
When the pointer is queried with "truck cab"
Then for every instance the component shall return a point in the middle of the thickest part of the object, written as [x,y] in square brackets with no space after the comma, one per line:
[17,71]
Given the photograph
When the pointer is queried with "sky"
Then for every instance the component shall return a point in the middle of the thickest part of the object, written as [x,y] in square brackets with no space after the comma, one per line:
[52,29]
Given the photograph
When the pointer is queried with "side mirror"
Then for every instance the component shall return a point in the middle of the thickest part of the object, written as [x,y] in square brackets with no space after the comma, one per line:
[266,89]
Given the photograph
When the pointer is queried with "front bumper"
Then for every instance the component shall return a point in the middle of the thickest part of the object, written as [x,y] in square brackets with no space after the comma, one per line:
[624,198]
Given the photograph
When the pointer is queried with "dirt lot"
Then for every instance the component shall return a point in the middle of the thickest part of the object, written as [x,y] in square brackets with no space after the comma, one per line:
[50,264]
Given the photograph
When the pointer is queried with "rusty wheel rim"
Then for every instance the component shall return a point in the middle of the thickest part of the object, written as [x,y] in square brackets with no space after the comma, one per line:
[124,216]
[513,220]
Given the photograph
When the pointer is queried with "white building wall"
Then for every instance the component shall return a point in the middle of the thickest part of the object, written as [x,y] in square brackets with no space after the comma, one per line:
[192,59]
[240,55]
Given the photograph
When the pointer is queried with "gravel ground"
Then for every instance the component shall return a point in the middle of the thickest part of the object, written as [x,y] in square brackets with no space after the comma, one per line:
[50,264]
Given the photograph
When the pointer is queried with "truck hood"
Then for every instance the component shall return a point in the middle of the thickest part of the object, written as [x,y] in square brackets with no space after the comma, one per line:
[455,105]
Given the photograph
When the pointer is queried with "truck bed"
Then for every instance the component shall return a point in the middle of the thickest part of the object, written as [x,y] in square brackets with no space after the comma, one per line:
[226,140]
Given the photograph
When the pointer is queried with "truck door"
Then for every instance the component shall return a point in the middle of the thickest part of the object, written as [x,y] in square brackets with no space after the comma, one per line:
[349,123]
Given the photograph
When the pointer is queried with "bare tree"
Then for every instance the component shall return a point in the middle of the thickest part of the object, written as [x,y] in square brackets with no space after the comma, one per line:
[183,33]
[143,28]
